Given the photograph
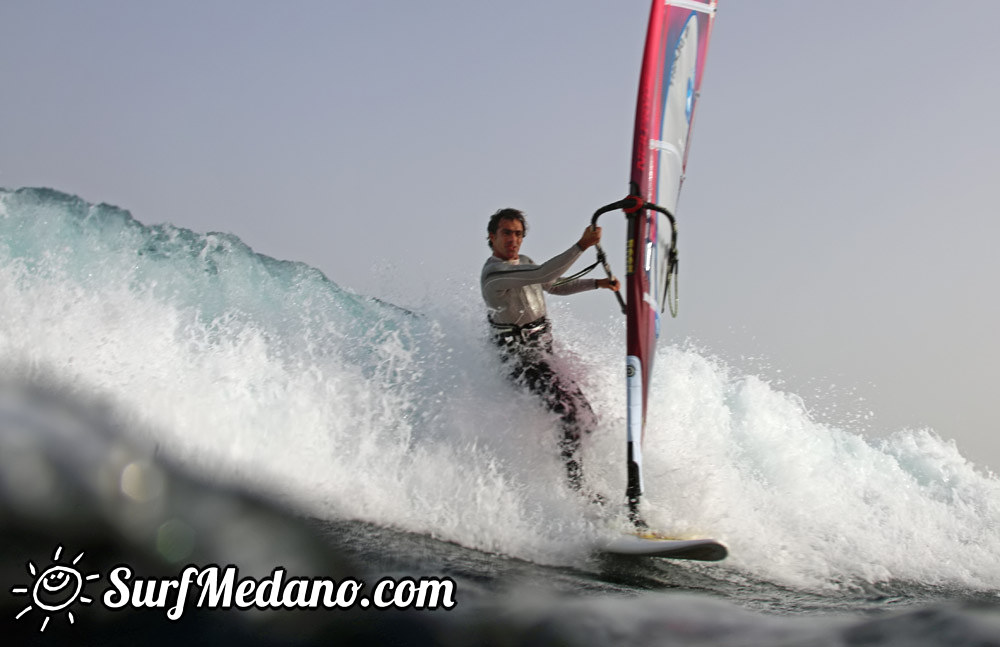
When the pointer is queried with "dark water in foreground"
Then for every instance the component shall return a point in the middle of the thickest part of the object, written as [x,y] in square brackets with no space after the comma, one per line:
[663,602]
[499,600]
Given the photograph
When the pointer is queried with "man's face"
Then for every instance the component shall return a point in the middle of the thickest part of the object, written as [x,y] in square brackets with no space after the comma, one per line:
[507,241]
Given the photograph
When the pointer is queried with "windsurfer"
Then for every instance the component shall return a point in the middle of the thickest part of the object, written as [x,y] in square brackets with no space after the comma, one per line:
[512,286]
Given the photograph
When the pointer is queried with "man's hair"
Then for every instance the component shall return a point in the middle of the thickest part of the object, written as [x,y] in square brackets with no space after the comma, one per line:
[504,214]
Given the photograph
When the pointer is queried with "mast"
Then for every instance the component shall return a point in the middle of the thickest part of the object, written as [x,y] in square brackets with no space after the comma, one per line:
[669,84]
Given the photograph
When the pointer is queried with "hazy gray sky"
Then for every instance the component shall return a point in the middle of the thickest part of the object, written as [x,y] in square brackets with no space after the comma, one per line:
[837,223]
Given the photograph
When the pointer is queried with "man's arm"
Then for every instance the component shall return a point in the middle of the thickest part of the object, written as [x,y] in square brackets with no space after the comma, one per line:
[571,287]
[582,285]
[507,277]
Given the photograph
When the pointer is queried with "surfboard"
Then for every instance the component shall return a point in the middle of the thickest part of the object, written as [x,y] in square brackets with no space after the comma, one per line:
[645,544]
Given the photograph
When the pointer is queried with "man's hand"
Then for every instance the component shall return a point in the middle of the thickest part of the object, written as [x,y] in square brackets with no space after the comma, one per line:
[610,284]
[591,236]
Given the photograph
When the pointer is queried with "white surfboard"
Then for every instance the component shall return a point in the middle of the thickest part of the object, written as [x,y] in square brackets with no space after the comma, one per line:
[654,545]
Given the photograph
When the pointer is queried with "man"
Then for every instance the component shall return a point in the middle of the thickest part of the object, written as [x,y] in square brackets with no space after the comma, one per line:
[512,286]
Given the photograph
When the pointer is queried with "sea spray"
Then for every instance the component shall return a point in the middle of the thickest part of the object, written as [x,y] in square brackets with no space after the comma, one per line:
[266,373]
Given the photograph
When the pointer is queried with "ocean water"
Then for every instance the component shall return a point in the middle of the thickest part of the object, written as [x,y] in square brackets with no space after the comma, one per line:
[392,433]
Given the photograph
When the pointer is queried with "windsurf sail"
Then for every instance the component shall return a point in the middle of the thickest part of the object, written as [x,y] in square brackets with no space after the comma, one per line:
[669,85]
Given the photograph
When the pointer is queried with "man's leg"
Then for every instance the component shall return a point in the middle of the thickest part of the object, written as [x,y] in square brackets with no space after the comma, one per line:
[564,398]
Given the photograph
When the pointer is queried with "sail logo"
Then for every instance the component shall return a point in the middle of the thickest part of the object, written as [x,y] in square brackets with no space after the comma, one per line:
[55,589]
[59,586]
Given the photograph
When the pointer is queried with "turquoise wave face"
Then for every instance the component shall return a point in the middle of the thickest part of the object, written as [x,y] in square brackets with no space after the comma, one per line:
[56,234]
[265,373]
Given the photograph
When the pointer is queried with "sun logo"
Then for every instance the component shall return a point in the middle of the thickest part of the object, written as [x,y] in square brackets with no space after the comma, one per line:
[55,589]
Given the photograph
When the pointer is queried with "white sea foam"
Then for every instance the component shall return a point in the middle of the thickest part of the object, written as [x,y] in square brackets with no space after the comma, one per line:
[264,373]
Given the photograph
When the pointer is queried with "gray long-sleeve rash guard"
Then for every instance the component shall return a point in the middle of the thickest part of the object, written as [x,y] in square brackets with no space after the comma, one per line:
[513,289]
